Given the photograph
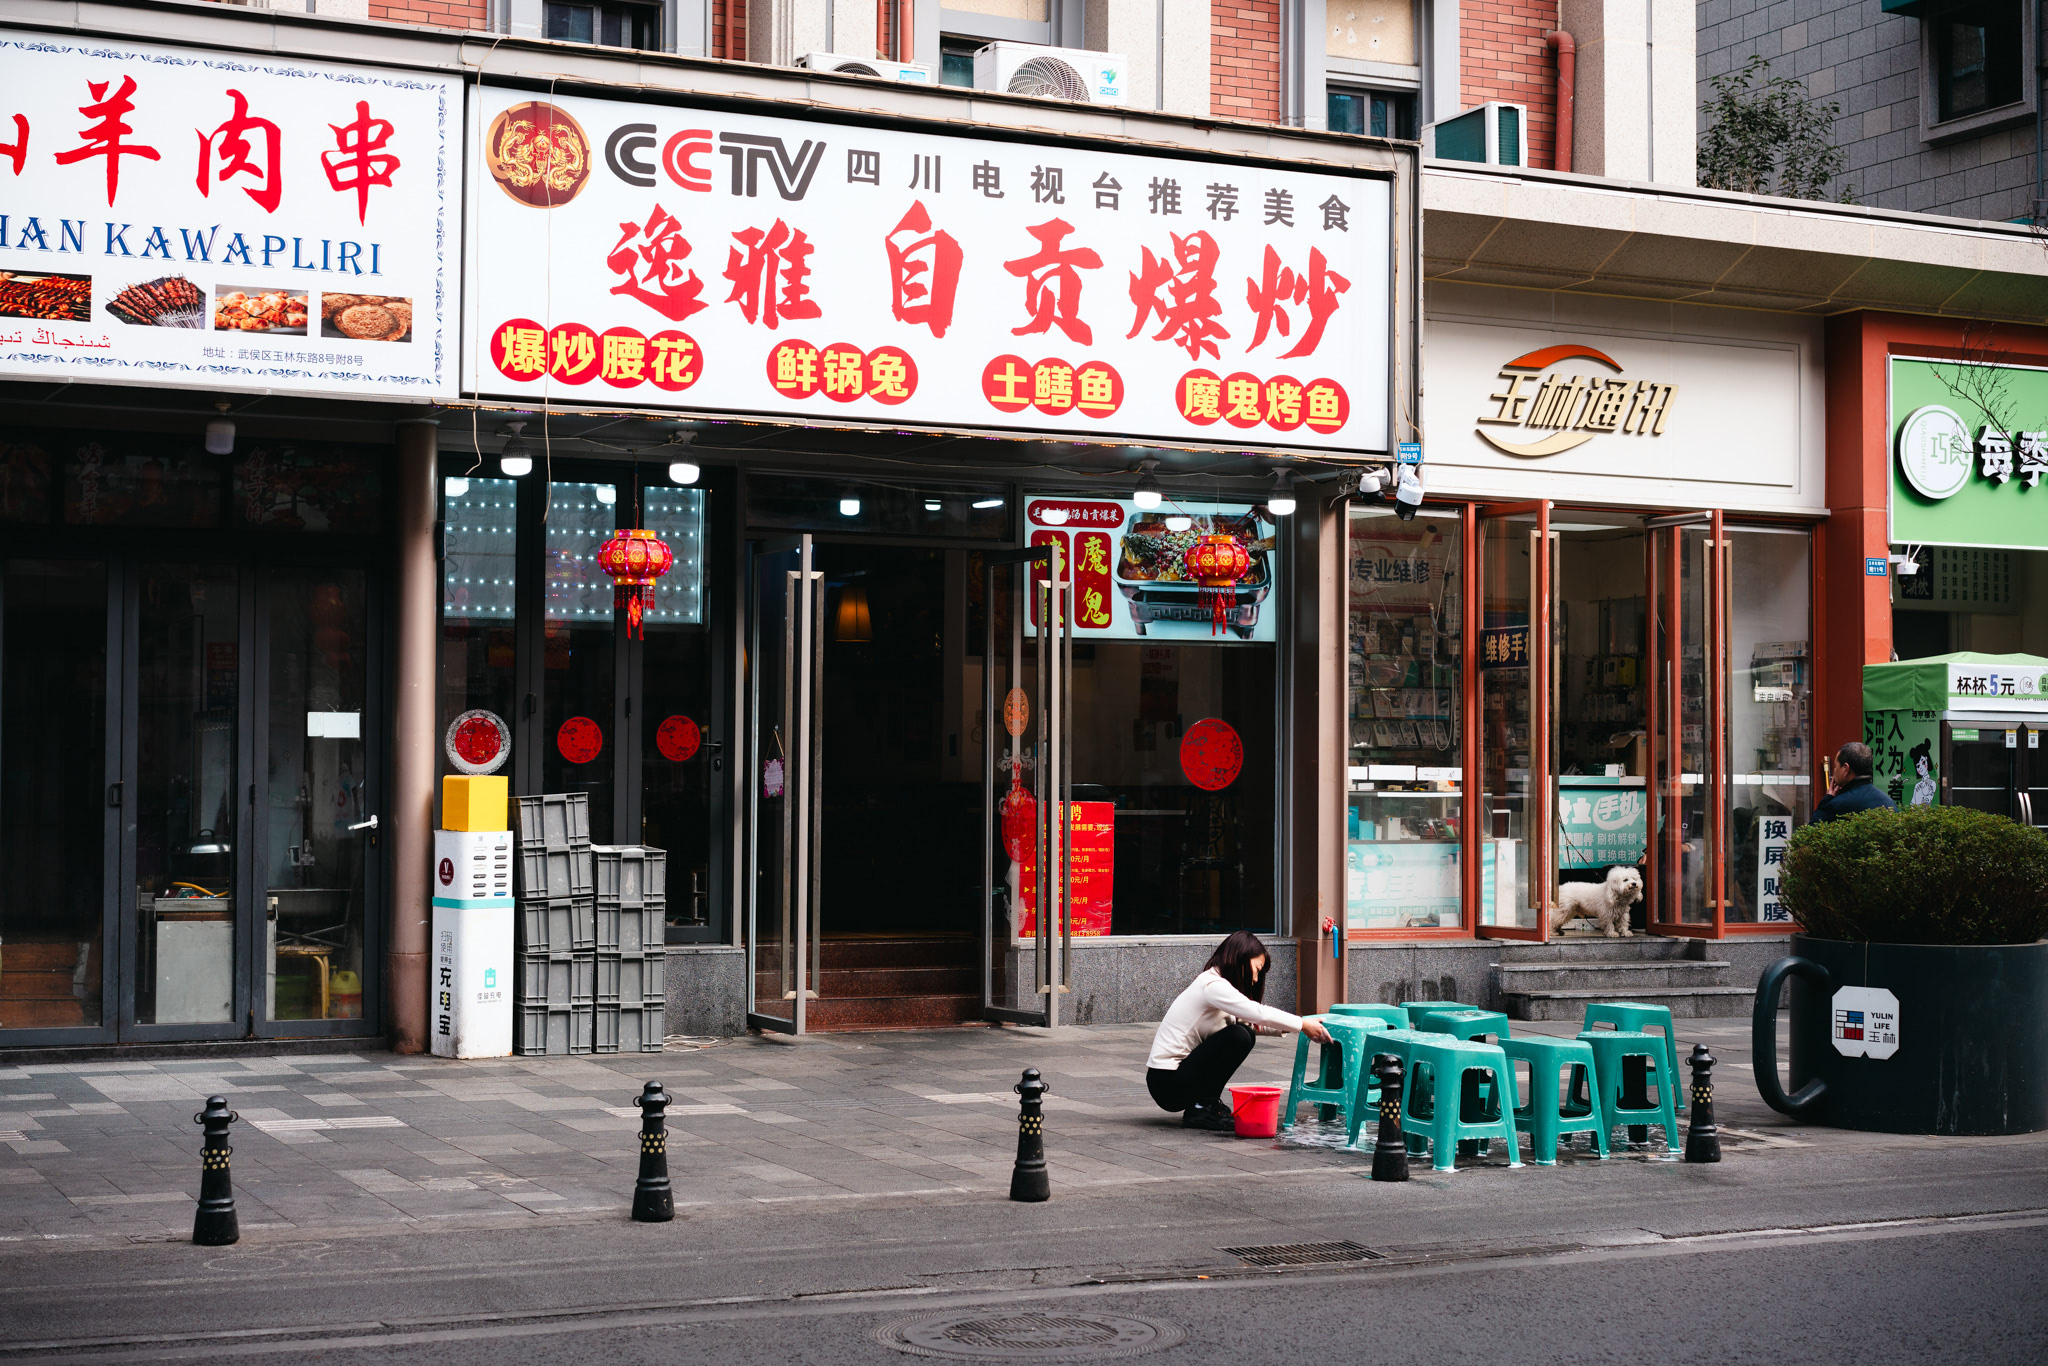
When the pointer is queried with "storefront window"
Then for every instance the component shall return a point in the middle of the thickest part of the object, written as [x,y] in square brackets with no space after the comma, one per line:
[1770,737]
[677,748]
[578,746]
[479,579]
[1406,788]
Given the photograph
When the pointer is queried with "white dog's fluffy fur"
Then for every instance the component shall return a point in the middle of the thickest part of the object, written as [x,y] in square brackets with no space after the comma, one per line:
[1606,902]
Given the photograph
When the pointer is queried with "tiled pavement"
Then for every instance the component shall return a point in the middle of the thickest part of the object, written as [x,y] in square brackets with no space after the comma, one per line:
[328,1144]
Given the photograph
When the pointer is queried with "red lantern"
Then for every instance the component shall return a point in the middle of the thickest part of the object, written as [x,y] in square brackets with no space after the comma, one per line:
[635,559]
[1217,562]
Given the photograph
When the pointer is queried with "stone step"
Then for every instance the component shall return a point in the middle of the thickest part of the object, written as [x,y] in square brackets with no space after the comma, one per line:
[891,1012]
[1616,979]
[1686,1003]
[1638,947]
[909,951]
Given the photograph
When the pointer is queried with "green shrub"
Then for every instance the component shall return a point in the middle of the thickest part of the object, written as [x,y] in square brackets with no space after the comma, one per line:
[1922,875]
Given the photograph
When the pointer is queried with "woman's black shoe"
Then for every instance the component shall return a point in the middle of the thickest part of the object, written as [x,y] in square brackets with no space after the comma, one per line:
[1214,1117]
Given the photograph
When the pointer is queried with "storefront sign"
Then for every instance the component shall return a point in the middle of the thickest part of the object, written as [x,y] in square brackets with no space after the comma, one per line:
[1600,823]
[1402,884]
[1130,567]
[1617,405]
[1864,1022]
[1504,647]
[227,222]
[1954,579]
[1091,871]
[1970,450]
[1773,834]
[1995,687]
[659,257]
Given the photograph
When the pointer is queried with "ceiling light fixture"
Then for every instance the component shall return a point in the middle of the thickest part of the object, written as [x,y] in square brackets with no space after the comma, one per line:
[513,458]
[983,504]
[1179,521]
[220,433]
[849,507]
[1148,493]
[1281,501]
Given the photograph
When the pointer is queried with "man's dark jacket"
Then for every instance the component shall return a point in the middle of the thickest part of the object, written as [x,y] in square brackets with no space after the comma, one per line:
[1860,795]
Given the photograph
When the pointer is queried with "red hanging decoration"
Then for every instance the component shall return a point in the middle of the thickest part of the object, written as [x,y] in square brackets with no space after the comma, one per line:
[1020,816]
[635,559]
[1216,563]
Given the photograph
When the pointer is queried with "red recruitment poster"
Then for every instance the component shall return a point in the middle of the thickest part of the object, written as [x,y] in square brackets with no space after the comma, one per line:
[1093,872]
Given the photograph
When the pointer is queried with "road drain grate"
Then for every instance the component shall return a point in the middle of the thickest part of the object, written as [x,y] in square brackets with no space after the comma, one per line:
[992,1334]
[1305,1254]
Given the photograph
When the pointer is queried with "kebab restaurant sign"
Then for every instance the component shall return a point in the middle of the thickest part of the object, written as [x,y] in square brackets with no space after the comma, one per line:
[1532,411]
[663,257]
[226,222]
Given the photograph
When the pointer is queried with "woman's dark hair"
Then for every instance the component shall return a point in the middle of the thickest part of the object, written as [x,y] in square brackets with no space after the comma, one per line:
[1233,962]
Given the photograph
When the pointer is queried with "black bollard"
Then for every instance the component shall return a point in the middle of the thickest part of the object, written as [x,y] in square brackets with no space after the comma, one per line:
[1703,1136]
[214,1224]
[1635,1091]
[1028,1180]
[653,1201]
[1390,1148]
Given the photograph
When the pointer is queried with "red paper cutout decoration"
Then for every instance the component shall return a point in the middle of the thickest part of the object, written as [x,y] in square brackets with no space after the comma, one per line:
[677,739]
[477,742]
[1020,816]
[1217,563]
[1211,754]
[635,559]
[579,740]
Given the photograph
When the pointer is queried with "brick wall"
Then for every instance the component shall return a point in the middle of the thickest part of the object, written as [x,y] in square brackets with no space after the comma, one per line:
[1869,63]
[1504,58]
[440,13]
[1244,59]
[729,29]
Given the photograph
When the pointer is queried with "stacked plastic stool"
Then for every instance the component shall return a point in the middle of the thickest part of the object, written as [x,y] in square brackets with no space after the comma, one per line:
[1615,1053]
[1634,1015]
[1352,1089]
[1550,1107]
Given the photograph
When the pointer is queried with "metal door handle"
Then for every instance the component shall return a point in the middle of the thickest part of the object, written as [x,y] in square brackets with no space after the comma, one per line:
[370,824]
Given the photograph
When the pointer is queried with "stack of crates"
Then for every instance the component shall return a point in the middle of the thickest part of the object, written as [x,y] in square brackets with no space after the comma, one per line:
[556,1009]
[632,900]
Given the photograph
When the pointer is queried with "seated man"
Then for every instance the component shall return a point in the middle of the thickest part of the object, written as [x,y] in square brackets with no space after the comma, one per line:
[1849,788]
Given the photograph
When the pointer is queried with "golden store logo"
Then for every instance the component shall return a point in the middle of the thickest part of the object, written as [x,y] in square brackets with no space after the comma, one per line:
[1572,408]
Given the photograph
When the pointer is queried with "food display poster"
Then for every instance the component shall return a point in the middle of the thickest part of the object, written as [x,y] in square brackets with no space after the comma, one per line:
[226,221]
[1091,872]
[661,256]
[1130,567]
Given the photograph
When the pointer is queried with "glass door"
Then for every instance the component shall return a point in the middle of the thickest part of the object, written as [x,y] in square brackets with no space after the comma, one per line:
[785,759]
[1688,562]
[1515,872]
[2033,775]
[1027,653]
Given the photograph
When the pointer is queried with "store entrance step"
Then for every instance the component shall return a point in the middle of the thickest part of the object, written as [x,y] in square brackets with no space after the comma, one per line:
[1686,1003]
[892,982]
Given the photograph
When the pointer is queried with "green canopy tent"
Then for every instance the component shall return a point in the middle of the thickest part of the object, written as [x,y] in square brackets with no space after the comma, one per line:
[1960,729]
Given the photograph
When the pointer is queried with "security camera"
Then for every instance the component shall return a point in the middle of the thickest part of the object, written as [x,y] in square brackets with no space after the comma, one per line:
[1408,494]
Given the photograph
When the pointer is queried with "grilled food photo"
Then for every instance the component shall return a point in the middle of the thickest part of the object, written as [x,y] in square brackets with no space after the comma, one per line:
[266,311]
[170,301]
[52,298]
[365,317]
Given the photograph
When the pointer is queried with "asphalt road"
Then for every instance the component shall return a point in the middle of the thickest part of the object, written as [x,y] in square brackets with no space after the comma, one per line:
[1931,1252]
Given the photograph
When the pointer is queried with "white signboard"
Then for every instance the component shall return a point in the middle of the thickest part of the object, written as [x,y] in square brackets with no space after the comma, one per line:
[1997,687]
[1131,576]
[1626,411]
[226,222]
[1773,834]
[655,256]
[1865,1022]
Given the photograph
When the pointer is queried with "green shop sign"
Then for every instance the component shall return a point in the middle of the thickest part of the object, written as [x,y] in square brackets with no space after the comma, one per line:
[1969,455]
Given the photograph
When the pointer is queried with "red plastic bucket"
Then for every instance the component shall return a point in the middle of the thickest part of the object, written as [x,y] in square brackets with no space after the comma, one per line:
[1257,1109]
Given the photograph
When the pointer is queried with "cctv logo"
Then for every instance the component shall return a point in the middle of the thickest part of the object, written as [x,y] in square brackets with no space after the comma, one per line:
[625,152]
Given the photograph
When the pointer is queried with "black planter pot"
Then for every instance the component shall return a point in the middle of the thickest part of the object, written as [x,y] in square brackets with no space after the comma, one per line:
[1972,1037]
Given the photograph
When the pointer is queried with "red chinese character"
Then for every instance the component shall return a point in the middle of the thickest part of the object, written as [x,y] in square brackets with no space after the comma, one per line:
[776,252]
[1052,288]
[232,142]
[650,258]
[17,151]
[1189,279]
[103,139]
[359,160]
[1318,289]
[924,272]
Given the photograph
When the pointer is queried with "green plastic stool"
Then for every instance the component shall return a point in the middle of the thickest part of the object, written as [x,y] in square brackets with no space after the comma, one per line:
[1548,1110]
[1612,1048]
[1350,1040]
[1395,1017]
[1461,1022]
[1434,1107]
[1412,1006]
[1398,1043]
[1635,1015]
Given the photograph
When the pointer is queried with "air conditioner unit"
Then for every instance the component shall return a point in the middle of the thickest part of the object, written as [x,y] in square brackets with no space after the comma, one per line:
[904,73]
[1058,73]
[1494,133]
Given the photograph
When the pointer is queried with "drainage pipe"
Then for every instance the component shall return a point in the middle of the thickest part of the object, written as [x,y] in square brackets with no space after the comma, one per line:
[1567,51]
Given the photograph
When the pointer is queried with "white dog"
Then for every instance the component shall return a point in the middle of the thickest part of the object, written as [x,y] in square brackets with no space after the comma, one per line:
[1606,902]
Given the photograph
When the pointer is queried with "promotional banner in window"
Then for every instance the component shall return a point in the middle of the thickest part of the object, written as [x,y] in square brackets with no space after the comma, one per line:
[194,218]
[1183,571]
[655,256]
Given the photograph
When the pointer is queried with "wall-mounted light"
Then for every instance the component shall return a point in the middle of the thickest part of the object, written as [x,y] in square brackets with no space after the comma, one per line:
[220,433]
[514,458]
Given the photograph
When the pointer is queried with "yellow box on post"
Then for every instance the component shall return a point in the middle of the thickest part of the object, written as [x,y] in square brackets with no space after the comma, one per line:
[470,802]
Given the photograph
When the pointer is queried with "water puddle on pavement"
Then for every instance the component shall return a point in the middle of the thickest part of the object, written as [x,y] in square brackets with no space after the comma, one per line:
[1329,1135]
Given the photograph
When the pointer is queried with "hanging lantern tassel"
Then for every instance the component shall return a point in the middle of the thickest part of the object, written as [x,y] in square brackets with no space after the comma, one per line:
[635,560]
[1217,563]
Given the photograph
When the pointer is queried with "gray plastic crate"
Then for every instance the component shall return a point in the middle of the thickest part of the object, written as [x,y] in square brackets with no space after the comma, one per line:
[556,820]
[541,1030]
[557,925]
[545,870]
[557,979]
[629,1029]
[632,874]
[628,930]
[630,981]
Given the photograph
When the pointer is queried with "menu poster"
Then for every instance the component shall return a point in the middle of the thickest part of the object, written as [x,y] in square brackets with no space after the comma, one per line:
[1092,872]
[1129,564]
